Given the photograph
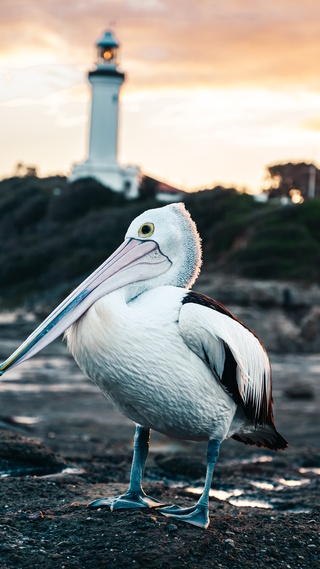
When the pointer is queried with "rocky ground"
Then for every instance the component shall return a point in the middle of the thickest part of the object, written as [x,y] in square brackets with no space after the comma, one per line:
[63,445]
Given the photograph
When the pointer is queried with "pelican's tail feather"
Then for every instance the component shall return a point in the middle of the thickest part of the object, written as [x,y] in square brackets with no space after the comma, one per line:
[262,436]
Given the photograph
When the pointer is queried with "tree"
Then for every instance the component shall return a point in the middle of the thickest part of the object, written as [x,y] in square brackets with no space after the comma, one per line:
[293,180]
[21,170]
[148,187]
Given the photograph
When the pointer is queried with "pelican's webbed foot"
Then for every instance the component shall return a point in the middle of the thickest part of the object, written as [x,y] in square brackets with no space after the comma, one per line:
[135,497]
[126,501]
[197,515]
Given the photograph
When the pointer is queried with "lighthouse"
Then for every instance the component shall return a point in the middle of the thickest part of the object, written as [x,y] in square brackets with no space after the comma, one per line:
[102,164]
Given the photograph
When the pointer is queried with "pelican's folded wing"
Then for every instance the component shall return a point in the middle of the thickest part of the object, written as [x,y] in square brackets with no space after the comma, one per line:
[234,354]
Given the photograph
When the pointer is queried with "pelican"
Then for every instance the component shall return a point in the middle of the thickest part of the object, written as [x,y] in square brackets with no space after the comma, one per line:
[169,358]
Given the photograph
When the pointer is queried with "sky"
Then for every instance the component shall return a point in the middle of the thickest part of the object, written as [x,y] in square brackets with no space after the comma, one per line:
[215,90]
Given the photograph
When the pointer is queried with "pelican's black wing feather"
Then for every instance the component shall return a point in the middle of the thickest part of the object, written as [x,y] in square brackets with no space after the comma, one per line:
[237,359]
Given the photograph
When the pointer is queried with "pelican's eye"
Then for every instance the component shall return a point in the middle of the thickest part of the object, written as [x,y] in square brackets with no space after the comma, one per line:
[146,230]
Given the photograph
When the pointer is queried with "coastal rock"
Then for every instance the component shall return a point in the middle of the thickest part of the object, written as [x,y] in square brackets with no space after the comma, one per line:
[285,315]
[277,331]
[300,390]
[230,289]
[310,330]
[20,456]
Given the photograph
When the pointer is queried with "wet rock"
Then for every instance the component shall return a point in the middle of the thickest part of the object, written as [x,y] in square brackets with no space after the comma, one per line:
[285,315]
[310,330]
[229,289]
[276,329]
[171,528]
[300,391]
[36,516]
[181,466]
[11,424]
[21,456]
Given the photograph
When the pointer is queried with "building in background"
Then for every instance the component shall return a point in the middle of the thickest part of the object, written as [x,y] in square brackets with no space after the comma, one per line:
[102,164]
[292,182]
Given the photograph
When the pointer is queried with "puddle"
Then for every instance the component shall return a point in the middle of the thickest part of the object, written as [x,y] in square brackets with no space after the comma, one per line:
[223,495]
[15,316]
[293,483]
[40,472]
[65,472]
[18,470]
[263,485]
[219,494]
[314,369]
[310,470]
[254,459]
[246,499]
[232,497]
[269,494]
[47,375]
[55,388]
[280,484]
[264,458]
[24,420]
[167,447]
[247,503]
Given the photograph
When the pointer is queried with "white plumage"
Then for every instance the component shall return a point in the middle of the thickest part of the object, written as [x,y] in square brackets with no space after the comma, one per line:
[163,385]
[203,328]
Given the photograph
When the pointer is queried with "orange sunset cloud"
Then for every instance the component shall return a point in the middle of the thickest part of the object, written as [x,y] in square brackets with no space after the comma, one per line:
[238,78]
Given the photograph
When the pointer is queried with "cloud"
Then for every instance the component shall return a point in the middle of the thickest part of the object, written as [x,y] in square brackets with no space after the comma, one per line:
[37,82]
[147,5]
[312,123]
[204,137]
[215,89]
[169,42]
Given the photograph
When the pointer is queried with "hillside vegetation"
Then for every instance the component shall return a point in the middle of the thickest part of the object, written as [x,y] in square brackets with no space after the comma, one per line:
[54,233]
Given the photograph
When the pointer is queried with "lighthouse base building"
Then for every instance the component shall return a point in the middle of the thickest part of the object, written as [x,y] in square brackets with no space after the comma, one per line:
[119,179]
[106,80]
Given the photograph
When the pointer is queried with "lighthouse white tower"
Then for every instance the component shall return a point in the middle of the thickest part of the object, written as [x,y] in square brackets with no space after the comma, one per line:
[106,80]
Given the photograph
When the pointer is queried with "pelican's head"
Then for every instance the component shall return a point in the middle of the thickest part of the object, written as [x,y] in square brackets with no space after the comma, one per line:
[161,247]
[175,236]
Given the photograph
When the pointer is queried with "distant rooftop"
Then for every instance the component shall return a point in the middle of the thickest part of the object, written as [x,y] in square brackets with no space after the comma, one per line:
[162,187]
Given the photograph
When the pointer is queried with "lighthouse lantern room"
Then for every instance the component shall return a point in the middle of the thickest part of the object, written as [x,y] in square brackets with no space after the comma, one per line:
[107,48]
[106,80]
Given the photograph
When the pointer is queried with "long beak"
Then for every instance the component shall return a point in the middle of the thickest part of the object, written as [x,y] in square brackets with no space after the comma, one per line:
[133,261]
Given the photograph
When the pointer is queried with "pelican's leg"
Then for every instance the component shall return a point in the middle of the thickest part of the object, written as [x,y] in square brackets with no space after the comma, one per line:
[198,515]
[135,497]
